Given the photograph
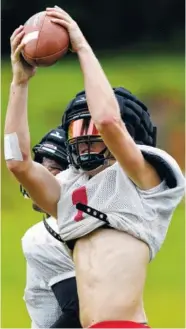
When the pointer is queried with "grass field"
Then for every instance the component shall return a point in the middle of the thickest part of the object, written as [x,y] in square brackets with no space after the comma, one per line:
[50,91]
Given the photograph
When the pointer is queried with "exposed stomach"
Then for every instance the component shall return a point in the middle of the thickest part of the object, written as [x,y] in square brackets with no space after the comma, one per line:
[110,272]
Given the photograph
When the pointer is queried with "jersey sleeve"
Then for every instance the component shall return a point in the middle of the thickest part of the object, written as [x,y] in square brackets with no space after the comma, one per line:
[161,201]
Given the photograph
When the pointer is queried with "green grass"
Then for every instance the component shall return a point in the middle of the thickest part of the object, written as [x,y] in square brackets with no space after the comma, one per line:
[50,91]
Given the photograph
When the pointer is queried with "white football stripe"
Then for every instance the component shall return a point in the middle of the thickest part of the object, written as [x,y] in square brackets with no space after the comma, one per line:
[30,36]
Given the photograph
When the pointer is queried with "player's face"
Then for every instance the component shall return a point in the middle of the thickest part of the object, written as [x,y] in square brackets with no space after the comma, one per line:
[87,145]
[82,129]
[52,166]
[95,147]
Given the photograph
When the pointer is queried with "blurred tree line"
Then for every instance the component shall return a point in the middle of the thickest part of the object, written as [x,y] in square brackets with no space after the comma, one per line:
[107,24]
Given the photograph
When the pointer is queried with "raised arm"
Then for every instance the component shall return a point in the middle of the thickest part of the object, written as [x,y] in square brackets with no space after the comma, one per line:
[104,108]
[42,187]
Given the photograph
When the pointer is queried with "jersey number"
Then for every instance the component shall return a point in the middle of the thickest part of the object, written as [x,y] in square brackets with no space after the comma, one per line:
[79,195]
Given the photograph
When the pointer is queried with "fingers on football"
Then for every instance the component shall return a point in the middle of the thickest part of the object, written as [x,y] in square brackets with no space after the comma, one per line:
[60,22]
[19,49]
[59,13]
[15,42]
[63,11]
[19,29]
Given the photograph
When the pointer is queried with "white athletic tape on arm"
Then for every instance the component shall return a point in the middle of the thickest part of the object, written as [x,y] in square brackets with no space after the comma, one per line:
[11,147]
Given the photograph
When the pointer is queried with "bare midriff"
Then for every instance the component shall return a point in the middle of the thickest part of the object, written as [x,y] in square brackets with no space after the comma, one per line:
[110,271]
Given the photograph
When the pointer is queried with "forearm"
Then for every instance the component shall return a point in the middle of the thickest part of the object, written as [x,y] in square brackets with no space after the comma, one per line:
[17,118]
[101,100]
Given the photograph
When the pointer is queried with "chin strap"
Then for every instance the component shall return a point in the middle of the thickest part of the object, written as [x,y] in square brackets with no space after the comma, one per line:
[104,161]
[104,165]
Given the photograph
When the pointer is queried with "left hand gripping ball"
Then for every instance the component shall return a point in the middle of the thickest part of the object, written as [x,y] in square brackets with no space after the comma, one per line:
[45,41]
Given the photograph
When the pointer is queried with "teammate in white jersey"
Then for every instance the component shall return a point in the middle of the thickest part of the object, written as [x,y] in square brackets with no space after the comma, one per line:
[50,293]
[116,200]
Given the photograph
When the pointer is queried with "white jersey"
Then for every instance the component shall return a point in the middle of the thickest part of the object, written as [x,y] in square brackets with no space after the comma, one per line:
[47,262]
[145,214]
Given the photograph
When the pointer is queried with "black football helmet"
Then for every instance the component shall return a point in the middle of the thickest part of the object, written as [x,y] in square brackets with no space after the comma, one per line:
[51,146]
[80,128]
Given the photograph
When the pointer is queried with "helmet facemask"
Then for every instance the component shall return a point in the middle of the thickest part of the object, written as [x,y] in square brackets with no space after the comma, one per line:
[82,144]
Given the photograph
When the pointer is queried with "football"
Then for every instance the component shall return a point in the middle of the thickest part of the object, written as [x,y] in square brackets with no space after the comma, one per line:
[45,41]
